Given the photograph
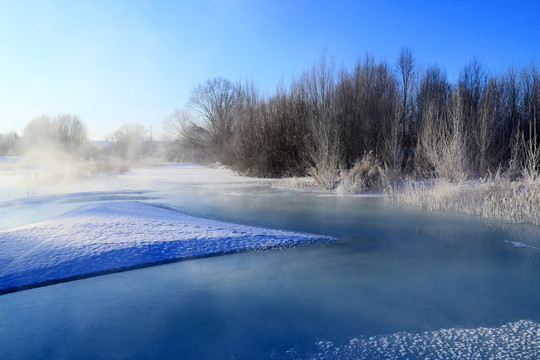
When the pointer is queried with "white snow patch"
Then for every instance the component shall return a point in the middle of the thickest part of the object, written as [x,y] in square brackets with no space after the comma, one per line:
[517,340]
[520,244]
[106,236]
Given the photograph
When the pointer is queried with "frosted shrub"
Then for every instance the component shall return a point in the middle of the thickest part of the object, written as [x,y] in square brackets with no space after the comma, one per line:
[442,142]
[325,160]
[496,197]
[325,175]
[366,174]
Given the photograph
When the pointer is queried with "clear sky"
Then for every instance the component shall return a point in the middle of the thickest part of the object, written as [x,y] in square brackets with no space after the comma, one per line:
[112,62]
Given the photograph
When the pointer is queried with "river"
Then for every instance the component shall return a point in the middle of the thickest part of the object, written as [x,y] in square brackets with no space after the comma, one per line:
[399,283]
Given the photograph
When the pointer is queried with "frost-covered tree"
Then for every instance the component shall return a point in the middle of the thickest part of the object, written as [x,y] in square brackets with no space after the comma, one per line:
[9,144]
[41,132]
[71,132]
[64,133]
[130,141]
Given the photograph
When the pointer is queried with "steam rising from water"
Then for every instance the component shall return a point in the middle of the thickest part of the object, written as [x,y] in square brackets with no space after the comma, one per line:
[49,171]
[55,155]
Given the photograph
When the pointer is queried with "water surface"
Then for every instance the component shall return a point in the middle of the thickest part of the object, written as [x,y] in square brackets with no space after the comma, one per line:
[398,276]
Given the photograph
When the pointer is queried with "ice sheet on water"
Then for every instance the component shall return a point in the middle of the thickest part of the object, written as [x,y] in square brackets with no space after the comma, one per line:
[80,197]
[107,236]
[517,340]
[520,244]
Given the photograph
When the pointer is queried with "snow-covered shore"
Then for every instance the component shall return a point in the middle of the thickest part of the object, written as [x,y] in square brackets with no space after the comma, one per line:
[70,232]
[496,198]
[109,236]
[110,230]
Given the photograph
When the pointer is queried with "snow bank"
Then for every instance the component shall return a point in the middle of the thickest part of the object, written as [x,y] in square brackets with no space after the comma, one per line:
[517,340]
[520,244]
[109,236]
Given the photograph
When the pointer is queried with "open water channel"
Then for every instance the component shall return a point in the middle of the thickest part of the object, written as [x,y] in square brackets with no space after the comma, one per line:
[399,283]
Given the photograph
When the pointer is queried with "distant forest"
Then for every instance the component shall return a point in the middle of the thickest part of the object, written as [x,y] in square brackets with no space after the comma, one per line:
[63,139]
[404,119]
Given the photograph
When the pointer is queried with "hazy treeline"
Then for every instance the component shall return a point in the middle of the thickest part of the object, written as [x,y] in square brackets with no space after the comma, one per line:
[9,144]
[398,117]
[63,140]
[63,133]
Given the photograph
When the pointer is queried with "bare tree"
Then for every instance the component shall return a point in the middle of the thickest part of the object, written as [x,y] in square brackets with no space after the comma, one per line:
[130,139]
[41,131]
[405,66]
[190,138]
[484,128]
[532,153]
[365,100]
[472,85]
[393,151]
[442,141]
[177,124]
[433,89]
[323,147]
[530,84]
[71,132]
[9,144]
[64,132]
[215,101]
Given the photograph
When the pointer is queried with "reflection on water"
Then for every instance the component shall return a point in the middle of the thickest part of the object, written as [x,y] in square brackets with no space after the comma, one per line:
[395,271]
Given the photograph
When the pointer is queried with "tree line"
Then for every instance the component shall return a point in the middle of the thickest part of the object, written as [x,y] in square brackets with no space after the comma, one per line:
[367,121]
[67,134]
[405,119]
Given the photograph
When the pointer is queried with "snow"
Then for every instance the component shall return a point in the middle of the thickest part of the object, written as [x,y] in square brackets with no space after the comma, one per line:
[520,244]
[516,340]
[68,227]
[107,236]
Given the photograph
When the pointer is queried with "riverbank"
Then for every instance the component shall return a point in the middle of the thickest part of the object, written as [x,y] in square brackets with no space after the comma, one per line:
[498,198]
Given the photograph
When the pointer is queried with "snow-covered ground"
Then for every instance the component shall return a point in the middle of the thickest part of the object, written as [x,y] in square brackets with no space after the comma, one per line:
[516,340]
[104,231]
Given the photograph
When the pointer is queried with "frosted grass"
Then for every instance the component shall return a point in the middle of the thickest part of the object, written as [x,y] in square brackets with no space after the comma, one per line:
[497,198]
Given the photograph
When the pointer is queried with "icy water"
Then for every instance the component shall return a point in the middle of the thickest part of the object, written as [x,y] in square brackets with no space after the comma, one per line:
[400,283]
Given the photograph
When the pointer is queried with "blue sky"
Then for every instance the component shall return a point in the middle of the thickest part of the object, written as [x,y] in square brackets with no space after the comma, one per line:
[112,62]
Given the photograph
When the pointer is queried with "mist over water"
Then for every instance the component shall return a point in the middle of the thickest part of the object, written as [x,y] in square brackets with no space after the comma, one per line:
[55,155]
[400,283]
[37,176]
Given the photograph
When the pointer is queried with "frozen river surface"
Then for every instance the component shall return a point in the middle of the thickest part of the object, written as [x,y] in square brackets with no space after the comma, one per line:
[398,282]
